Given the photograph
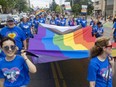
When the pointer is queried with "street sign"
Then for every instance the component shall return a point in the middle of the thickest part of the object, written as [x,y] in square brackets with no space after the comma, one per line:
[84,9]
[67,6]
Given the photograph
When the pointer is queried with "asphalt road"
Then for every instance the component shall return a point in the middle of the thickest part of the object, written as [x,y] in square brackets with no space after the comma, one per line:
[69,73]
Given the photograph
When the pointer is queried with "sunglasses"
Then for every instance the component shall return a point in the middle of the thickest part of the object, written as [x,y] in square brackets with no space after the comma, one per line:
[12,47]
[10,21]
[109,46]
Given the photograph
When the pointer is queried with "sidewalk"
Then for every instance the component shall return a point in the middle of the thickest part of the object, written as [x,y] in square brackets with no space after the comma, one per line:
[108,24]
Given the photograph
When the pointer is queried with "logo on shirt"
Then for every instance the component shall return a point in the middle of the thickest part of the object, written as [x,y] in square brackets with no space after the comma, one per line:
[12,35]
[11,74]
[26,26]
[105,71]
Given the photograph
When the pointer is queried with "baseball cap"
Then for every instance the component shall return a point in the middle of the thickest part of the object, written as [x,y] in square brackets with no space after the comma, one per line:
[10,19]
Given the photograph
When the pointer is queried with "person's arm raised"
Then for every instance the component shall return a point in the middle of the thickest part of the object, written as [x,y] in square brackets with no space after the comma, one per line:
[31,66]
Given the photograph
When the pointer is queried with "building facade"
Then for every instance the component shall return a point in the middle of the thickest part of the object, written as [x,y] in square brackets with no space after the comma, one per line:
[28,3]
[99,7]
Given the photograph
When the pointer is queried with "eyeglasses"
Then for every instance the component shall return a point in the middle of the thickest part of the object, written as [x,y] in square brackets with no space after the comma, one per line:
[12,47]
[109,46]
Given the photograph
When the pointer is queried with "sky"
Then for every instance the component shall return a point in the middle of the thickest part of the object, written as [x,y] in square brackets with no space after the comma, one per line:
[44,3]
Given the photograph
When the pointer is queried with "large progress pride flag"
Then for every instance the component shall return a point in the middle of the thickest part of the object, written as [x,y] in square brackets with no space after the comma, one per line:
[55,43]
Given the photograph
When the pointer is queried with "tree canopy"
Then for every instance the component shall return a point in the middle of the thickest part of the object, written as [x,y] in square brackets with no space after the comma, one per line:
[9,5]
[76,6]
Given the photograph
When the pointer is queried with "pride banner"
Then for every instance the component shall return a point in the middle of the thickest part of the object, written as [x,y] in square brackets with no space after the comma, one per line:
[52,46]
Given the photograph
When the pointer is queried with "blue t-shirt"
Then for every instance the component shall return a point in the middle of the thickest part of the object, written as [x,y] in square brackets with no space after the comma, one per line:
[26,27]
[16,33]
[57,21]
[83,23]
[62,22]
[41,20]
[94,27]
[52,22]
[36,23]
[98,72]
[78,20]
[114,26]
[99,31]
[71,23]
[15,72]
[92,23]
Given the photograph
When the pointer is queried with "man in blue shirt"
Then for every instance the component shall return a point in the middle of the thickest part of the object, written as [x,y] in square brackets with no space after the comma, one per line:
[78,20]
[41,19]
[14,32]
[83,22]
[57,20]
[62,22]
[99,31]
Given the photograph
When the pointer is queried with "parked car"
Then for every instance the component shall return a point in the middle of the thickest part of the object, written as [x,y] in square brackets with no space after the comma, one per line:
[3,19]
[16,18]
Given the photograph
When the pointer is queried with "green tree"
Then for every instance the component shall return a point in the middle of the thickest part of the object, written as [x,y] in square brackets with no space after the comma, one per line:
[53,5]
[9,5]
[21,5]
[76,8]
[89,3]
[90,9]
[58,9]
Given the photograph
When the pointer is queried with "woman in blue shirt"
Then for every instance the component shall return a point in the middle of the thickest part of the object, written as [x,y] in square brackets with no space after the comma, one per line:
[52,21]
[26,27]
[101,66]
[71,22]
[14,69]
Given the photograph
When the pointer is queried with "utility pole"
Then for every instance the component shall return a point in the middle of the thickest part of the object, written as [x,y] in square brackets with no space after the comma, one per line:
[72,2]
[105,9]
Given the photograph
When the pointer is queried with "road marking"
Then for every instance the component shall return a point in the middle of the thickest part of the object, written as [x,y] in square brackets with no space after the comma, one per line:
[57,84]
[60,74]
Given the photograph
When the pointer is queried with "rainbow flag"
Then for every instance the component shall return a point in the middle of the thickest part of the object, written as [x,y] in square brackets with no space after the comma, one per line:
[51,44]
[39,12]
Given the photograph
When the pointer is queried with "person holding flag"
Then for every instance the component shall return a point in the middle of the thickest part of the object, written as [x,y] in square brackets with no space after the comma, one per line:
[101,65]
[14,69]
